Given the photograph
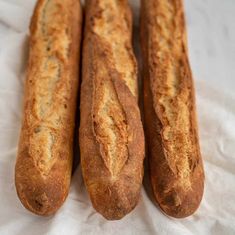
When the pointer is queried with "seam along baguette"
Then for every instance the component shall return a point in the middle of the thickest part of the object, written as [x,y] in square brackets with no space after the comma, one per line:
[111,134]
[44,161]
[176,169]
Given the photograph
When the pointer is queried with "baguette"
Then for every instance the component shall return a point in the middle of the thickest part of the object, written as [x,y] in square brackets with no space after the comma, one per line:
[111,134]
[44,161]
[176,169]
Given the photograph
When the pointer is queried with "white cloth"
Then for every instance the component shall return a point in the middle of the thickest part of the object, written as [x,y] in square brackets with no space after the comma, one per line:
[211,36]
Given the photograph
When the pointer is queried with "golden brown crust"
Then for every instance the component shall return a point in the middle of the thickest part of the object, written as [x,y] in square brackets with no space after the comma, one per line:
[111,134]
[44,161]
[176,169]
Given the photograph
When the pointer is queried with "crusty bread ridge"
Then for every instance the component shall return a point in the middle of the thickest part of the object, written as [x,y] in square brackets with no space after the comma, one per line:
[111,133]
[176,168]
[44,161]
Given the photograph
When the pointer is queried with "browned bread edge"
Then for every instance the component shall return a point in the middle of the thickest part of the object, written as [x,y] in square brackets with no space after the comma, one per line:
[176,169]
[112,167]
[44,161]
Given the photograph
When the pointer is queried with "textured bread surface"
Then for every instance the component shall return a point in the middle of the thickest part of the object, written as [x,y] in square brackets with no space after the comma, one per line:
[44,161]
[176,168]
[111,134]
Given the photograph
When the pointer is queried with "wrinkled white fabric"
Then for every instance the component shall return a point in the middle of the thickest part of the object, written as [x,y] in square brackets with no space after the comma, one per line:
[211,34]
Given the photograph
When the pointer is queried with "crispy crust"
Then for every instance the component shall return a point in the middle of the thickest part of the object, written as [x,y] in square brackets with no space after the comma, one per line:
[111,134]
[176,168]
[44,161]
